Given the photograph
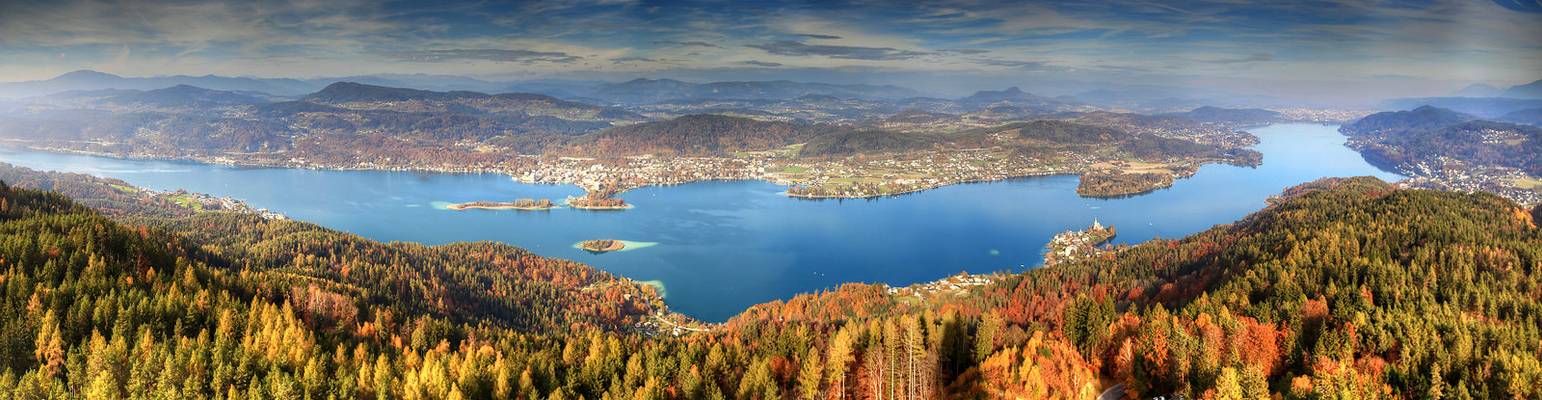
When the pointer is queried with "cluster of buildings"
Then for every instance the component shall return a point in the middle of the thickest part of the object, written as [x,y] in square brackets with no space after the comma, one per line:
[1074,246]
[957,285]
[1445,173]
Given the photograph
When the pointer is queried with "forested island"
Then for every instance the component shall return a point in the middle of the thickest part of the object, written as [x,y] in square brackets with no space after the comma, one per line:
[601,200]
[602,245]
[519,204]
[1107,184]
[1288,302]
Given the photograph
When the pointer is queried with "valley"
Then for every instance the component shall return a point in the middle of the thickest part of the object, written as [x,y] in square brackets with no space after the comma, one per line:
[782,247]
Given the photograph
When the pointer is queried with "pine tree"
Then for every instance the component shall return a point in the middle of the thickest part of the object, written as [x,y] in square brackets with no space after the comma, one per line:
[809,376]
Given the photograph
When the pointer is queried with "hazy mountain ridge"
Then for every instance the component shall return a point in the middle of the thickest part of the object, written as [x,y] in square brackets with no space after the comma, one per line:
[1246,116]
[694,135]
[643,91]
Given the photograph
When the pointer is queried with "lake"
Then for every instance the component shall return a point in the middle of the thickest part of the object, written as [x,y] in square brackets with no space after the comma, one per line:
[719,247]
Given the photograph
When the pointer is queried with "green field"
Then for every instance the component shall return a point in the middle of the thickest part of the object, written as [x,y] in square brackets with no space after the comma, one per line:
[1529,183]
[186,201]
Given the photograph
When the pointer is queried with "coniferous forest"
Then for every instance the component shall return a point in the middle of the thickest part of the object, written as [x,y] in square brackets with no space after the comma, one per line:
[1341,288]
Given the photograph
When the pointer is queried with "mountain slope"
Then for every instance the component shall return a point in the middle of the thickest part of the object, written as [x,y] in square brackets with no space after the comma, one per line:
[1342,287]
[1251,116]
[93,80]
[1531,116]
[1425,117]
[644,91]
[185,96]
[1527,91]
[694,135]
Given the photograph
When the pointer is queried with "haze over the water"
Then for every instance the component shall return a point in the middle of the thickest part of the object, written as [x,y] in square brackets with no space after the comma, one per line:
[1339,52]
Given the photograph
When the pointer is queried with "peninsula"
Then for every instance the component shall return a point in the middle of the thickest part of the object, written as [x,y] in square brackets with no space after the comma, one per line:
[520,204]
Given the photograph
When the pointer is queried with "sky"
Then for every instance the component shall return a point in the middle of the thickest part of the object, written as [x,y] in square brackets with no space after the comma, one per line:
[1303,48]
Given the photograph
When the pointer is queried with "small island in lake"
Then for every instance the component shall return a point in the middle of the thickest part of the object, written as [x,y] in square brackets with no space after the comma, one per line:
[1117,184]
[1078,245]
[602,245]
[520,204]
[598,200]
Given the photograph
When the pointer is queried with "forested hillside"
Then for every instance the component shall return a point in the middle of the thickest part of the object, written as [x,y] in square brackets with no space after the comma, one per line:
[1409,140]
[694,135]
[1345,288]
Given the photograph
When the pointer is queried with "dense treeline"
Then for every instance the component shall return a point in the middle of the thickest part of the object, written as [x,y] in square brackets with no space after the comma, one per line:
[850,142]
[1345,288]
[1047,138]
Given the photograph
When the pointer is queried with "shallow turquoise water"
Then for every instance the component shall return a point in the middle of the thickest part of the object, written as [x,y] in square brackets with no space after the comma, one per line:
[723,246]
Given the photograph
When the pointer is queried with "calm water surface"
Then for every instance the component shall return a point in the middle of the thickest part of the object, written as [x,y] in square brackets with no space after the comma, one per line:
[723,246]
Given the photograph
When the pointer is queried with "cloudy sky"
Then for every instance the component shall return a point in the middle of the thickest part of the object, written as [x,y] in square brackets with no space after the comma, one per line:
[1292,48]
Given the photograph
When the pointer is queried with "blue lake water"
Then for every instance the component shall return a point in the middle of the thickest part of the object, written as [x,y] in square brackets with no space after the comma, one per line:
[723,246]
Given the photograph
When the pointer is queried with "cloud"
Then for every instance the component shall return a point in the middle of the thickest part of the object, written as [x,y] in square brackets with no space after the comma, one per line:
[1018,64]
[964,51]
[624,60]
[758,63]
[1255,57]
[496,55]
[817,36]
[800,49]
[1530,6]
[693,43]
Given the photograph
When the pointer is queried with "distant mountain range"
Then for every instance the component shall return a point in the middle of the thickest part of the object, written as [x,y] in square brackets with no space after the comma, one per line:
[188,96]
[1527,91]
[1479,99]
[1246,116]
[92,80]
[1487,107]
[638,91]
[1478,90]
[643,91]
[1015,97]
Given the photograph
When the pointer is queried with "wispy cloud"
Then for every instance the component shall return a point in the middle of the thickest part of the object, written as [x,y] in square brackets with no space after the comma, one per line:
[759,63]
[497,55]
[1018,64]
[799,49]
[1196,41]
[1250,58]
[692,43]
